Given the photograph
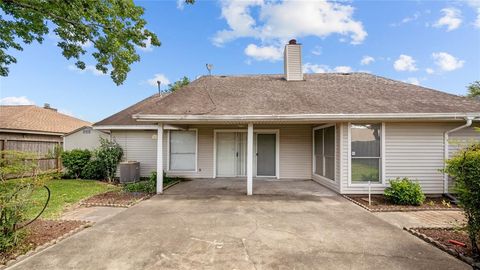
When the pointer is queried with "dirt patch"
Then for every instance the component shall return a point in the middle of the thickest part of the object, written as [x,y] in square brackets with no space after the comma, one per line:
[115,198]
[380,203]
[444,236]
[39,233]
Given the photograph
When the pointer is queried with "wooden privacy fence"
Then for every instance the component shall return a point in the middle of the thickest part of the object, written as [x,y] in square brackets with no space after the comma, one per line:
[43,148]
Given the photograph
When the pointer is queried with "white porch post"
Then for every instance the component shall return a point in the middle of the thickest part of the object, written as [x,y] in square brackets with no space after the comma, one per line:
[250,159]
[160,159]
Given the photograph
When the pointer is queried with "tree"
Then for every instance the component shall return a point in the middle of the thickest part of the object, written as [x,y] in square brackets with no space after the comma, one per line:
[474,89]
[178,84]
[465,169]
[114,27]
[110,154]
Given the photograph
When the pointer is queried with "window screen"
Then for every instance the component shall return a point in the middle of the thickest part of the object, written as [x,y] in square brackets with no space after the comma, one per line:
[366,152]
[183,147]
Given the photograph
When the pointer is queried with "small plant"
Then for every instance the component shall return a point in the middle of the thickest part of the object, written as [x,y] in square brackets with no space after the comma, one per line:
[110,153]
[148,186]
[75,161]
[431,203]
[405,192]
[446,204]
[16,196]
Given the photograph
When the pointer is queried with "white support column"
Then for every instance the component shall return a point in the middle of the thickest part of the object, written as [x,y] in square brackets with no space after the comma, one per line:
[250,159]
[160,159]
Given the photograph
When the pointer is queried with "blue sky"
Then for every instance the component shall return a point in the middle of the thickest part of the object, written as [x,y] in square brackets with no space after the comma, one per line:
[432,43]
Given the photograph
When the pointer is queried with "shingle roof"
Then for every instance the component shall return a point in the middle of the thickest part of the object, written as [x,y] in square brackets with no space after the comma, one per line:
[33,118]
[124,117]
[328,93]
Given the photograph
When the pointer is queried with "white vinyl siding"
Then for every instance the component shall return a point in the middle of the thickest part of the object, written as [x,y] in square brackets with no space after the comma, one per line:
[139,146]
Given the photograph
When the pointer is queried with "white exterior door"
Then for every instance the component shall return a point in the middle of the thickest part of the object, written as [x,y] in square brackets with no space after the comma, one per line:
[231,154]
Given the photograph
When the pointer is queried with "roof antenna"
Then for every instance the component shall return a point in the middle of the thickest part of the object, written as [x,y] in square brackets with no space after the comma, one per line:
[209,68]
[158,83]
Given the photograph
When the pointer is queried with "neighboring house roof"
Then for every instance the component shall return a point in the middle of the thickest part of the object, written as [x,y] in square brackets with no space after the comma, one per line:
[327,93]
[124,117]
[36,119]
[82,128]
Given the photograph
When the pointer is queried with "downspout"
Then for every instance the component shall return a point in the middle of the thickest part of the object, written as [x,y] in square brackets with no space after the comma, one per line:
[445,150]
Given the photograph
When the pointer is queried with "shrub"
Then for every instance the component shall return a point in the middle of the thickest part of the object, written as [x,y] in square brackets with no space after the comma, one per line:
[465,169]
[94,169]
[110,153]
[148,186]
[404,191]
[75,160]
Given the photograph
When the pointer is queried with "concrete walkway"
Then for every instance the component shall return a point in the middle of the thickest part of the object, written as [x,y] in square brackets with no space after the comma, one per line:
[92,214]
[240,232]
[423,218]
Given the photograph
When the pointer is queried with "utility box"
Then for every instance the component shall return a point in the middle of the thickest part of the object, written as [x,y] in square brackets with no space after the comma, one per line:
[129,171]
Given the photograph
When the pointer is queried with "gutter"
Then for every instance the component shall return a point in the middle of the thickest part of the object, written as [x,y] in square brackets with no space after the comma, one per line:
[302,117]
[468,123]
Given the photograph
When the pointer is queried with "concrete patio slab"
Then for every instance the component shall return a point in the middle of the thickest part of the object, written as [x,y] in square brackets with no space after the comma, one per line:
[238,187]
[240,232]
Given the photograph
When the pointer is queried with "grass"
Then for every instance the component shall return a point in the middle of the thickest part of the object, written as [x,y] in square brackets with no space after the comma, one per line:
[64,193]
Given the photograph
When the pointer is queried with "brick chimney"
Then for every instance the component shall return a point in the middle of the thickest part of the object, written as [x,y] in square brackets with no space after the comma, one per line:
[293,61]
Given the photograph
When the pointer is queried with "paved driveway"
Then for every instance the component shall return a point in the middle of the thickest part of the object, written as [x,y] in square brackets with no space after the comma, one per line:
[239,232]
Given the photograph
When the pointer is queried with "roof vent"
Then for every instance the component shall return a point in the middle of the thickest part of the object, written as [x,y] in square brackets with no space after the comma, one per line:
[47,106]
[293,61]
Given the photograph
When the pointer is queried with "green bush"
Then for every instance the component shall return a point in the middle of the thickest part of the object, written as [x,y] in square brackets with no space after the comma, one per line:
[405,192]
[75,160]
[94,169]
[110,153]
[465,169]
[147,186]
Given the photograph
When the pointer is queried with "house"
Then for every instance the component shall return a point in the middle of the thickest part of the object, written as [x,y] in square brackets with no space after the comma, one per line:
[30,128]
[84,138]
[343,130]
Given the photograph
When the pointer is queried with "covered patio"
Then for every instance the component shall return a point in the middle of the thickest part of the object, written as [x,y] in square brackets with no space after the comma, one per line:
[236,186]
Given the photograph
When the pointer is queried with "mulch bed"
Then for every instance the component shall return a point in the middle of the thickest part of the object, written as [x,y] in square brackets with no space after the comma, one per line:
[441,238]
[41,232]
[380,204]
[115,199]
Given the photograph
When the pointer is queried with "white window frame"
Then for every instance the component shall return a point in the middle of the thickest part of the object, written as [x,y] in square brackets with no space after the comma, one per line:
[382,182]
[334,153]
[196,152]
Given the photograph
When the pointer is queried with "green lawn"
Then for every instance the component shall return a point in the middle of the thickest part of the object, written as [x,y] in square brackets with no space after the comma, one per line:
[63,194]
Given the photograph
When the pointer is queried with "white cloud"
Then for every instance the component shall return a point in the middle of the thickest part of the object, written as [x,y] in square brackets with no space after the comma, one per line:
[404,63]
[317,50]
[343,69]
[148,45]
[315,68]
[447,62]
[430,70]
[275,22]
[407,19]
[413,80]
[270,53]
[23,100]
[367,60]
[452,19]
[164,81]
[88,68]
[477,21]
[180,4]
